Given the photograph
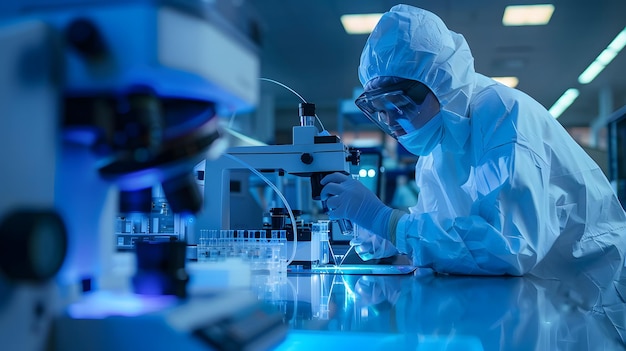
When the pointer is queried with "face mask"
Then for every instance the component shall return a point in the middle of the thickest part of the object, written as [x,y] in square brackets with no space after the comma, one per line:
[422,141]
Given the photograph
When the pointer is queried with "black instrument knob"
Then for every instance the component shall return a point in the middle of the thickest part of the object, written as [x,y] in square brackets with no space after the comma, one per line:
[85,37]
[34,245]
[355,157]
[306,158]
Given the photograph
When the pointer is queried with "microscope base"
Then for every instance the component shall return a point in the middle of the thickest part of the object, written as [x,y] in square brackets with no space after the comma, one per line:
[232,320]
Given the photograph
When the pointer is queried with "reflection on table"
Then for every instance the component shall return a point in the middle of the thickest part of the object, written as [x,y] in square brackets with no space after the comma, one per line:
[425,311]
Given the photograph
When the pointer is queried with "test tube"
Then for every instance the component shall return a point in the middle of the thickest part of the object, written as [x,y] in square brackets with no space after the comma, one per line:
[202,248]
[223,244]
[268,248]
[282,241]
[321,227]
[345,226]
[239,243]
[230,243]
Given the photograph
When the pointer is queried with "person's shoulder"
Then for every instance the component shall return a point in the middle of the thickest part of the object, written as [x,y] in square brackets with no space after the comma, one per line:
[501,115]
[498,94]
[491,102]
[500,100]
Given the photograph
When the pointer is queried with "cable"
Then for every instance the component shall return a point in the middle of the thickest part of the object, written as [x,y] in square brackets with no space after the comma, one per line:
[284,86]
[295,93]
[282,197]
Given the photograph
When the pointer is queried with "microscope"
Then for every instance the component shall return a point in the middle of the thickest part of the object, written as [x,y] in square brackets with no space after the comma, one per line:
[311,154]
[101,101]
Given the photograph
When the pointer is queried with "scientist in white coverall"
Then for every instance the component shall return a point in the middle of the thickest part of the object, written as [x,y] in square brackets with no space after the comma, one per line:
[504,189]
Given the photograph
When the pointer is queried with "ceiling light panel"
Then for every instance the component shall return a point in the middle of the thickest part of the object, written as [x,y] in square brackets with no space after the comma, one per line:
[360,23]
[508,81]
[606,56]
[564,102]
[527,15]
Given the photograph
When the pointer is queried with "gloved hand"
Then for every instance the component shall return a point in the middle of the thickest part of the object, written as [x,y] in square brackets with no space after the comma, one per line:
[349,198]
[371,246]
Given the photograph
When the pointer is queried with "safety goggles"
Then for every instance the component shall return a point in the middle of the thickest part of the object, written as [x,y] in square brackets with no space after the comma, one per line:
[394,108]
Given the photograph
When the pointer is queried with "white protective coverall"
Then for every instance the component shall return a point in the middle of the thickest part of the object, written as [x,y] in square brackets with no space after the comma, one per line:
[507,191]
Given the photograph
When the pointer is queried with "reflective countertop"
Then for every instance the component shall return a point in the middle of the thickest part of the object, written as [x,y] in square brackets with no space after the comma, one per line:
[426,311]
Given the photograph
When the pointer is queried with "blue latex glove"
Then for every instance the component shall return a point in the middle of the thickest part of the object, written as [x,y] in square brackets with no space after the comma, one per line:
[371,246]
[348,198]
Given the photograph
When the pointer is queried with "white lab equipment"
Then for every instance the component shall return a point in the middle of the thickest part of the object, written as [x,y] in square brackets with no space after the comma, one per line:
[92,109]
[310,155]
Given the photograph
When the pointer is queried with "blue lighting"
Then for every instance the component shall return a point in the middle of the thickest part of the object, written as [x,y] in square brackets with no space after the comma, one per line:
[102,304]
[305,341]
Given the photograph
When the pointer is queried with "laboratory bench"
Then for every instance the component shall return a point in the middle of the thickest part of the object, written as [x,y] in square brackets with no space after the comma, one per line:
[426,311]
[388,306]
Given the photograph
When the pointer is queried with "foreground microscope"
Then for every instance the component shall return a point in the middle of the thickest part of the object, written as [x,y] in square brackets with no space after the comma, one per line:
[101,101]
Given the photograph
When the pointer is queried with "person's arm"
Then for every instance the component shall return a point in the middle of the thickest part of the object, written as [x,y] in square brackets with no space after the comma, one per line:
[348,198]
[511,226]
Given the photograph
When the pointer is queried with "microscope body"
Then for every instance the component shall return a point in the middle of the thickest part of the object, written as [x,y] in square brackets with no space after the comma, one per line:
[309,155]
[101,99]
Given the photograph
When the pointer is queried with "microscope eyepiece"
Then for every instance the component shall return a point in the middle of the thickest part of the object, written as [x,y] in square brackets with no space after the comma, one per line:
[182,194]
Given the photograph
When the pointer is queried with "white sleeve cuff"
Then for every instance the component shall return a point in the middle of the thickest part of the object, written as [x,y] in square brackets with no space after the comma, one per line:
[400,235]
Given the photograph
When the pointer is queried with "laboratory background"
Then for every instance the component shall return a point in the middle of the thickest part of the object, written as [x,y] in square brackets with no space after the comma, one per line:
[161,165]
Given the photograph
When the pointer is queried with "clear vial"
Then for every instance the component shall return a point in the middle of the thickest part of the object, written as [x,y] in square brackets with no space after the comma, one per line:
[321,228]
[203,247]
[346,227]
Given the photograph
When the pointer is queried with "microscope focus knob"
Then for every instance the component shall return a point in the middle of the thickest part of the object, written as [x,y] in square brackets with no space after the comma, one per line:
[355,156]
[306,158]
[34,245]
[85,37]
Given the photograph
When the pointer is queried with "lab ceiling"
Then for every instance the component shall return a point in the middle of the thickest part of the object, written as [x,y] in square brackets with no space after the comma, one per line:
[303,45]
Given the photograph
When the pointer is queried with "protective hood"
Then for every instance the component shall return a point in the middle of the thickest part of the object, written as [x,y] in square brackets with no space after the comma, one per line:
[412,43]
